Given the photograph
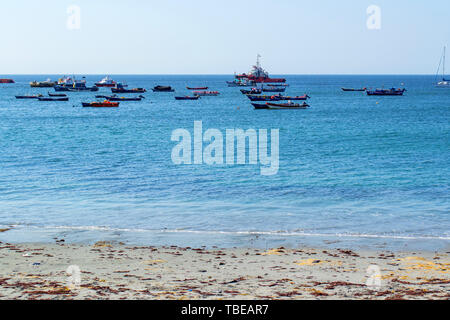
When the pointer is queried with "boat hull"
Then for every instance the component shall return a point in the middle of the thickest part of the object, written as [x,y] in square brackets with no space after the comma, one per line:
[187,98]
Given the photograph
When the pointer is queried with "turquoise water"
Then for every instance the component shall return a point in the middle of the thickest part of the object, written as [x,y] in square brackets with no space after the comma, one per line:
[354,170]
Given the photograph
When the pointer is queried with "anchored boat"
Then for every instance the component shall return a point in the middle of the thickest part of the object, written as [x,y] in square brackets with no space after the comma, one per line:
[7,81]
[106,82]
[197,88]
[445,83]
[206,93]
[259,75]
[43,84]
[386,92]
[53,99]
[288,105]
[187,98]
[163,89]
[351,89]
[101,104]
[37,96]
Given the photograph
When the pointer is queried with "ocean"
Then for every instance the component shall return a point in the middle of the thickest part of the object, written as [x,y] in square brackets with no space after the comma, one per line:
[354,171]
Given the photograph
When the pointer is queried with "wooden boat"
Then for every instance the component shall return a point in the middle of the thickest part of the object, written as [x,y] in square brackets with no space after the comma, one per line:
[7,81]
[163,89]
[57,94]
[78,86]
[252,91]
[53,99]
[43,84]
[120,88]
[288,105]
[187,98]
[113,98]
[278,85]
[37,96]
[352,89]
[240,83]
[304,97]
[197,88]
[274,89]
[206,93]
[264,97]
[386,92]
[101,104]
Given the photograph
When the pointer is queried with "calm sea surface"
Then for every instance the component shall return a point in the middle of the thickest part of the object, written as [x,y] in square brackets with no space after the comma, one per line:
[355,171]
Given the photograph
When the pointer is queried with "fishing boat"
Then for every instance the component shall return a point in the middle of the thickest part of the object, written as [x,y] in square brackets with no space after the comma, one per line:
[120,88]
[303,97]
[288,105]
[37,96]
[57,94]
[252,91]
[197,88]
[274,89]
[53,99]
[259,75]
[278,85]
[206,93]
[101,104]
[444,83]
[264,97]
[7,81]
[187,98]
[163,89]
[241,83]
[43,84]
[79,86]
[106,82]
[352,89]
[65,81]
[114,98]
[386,92]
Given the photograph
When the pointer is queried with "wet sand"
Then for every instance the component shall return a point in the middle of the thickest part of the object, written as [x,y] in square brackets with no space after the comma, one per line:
[119,271]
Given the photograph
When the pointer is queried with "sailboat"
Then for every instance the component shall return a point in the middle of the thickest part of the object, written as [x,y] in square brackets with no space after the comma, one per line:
[445,83]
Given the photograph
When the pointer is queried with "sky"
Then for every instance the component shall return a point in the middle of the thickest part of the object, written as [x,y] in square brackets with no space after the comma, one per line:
[222,36]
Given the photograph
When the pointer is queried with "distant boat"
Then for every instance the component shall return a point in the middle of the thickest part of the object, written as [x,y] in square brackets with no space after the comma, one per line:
[206,93]
[163,89]
[114,98]
[43,84]
[288,105]
[37,96]
[53,99]
[386,92]
[187,98]
[7,81]
[101,104]
[197,88]
[57,94]
[77,86]
[351,89]
[274,89]
[120,88]
[106,82]
[445,83]
[303,97]
[241,83]
[259,75]
[252,91]
[264,97]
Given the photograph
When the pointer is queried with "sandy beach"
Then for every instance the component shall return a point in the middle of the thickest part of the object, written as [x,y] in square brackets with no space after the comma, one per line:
[117,271]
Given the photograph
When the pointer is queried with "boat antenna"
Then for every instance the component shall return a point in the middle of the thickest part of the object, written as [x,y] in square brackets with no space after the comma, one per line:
[257,61]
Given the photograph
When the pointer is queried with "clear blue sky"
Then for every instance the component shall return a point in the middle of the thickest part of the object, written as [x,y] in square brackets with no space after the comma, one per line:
[221,37]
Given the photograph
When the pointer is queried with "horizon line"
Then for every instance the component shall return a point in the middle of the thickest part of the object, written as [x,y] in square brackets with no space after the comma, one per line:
[221,74]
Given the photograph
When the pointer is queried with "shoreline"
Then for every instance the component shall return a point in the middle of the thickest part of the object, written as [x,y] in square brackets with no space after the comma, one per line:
[109,270]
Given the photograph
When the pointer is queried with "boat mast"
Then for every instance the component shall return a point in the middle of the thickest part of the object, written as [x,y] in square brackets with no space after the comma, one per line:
[443,67]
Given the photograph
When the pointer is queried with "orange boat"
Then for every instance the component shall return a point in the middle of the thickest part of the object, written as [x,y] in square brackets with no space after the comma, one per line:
[103,104]
[7,81]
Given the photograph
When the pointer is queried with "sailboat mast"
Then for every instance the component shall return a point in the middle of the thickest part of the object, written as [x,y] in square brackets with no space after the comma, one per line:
[443,68]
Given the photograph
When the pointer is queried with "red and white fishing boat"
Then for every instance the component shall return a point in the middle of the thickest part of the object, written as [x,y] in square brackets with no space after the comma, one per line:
[259,75]
[106,82]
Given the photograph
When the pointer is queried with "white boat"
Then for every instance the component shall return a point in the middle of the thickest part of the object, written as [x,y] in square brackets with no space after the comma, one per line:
[445,83]
[106,82]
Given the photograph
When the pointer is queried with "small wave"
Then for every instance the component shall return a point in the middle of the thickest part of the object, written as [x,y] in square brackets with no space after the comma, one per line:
[250,233]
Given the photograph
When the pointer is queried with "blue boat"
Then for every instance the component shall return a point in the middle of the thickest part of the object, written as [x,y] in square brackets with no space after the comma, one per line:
[264,98]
